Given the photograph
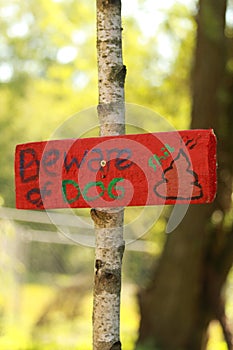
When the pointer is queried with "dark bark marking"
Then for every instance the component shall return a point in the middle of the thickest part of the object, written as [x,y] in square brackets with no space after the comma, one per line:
[118,74]
[105,3]
[103,219]
[98,265]
[108,280]
[109,346]
[116,346]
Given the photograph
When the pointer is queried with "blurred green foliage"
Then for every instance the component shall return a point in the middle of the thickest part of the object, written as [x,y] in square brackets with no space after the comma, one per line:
[60,333]
[48,73]
[48,70]
[48,66]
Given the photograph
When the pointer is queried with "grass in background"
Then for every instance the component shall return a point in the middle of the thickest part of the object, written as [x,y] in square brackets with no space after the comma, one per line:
[21,309]
[19,331]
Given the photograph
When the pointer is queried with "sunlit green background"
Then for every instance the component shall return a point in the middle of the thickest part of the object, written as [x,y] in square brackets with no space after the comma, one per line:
[47,74]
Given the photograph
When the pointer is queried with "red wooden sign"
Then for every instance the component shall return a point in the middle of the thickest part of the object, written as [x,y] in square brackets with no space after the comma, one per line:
[115,171]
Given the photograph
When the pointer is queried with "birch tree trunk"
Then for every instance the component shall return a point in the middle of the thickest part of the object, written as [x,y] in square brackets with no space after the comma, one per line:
[109,223]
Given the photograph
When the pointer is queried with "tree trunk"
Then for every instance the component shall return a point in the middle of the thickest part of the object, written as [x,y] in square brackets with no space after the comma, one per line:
[109,223]
[185,292]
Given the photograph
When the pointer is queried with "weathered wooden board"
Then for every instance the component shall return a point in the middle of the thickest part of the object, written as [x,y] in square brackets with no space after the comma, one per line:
[127,170]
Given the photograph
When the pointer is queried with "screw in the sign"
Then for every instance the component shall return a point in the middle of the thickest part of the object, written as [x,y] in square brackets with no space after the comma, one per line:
[103,164]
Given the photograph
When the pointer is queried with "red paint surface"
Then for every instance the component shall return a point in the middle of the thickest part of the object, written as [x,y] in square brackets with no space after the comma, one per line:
[128,170]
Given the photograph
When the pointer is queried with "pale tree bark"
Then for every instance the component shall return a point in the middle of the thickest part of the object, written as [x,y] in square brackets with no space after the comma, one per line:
[109,223]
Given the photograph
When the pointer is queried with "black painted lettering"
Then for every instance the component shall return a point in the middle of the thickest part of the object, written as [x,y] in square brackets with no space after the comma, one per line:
[49,159]
[110,156]
[124,163]
[119,159]
[29,165]
[68,163]
[36,196]
[94,163]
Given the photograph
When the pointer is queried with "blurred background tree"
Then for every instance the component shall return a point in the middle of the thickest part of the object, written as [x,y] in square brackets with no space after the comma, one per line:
[186,292]
[47,73]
